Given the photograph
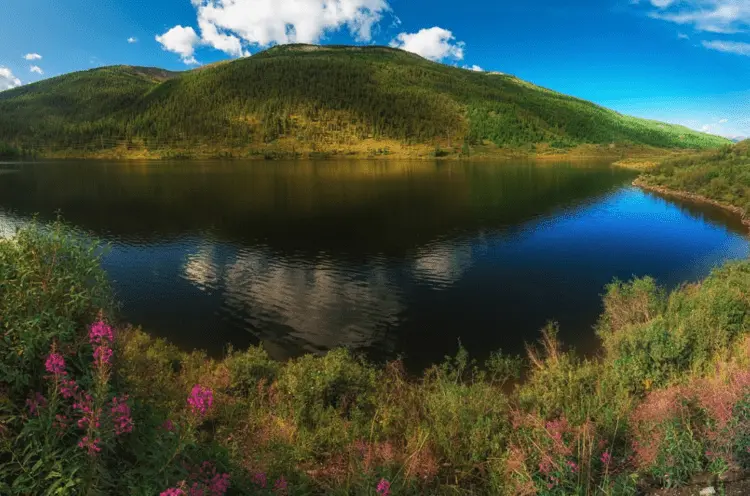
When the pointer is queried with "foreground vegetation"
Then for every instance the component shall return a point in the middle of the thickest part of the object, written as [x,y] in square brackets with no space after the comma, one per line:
[720,176]
[310,101]
[90,406]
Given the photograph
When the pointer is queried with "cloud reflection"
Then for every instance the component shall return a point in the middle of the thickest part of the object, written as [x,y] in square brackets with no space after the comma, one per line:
[313,304]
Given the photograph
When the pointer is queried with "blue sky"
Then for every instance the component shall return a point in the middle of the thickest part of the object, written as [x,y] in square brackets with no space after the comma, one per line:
[682,61]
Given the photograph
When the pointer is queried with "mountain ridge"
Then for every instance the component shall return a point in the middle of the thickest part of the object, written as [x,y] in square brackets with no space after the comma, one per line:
[308,99]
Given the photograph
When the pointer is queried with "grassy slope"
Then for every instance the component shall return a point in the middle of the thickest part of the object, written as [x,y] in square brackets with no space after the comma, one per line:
[358,100]
[719,176]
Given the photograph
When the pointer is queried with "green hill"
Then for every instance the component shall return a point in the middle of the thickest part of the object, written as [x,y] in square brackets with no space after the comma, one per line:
[719,176]
[303,98]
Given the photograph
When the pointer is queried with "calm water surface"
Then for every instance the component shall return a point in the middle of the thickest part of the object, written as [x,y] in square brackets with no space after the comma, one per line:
[390,258]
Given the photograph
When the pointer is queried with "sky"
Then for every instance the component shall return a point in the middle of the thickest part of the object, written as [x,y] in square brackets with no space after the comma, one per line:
[680,61]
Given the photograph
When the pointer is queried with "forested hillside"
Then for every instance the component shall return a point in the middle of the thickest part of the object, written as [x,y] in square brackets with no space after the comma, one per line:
[303,98]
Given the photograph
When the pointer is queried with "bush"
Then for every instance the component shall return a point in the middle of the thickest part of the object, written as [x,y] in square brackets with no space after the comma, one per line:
[651,341]
[249,368]
[52,286]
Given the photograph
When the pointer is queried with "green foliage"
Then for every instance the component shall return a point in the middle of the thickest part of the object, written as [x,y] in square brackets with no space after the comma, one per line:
[651,340]
[249,368]
[52,286]
[324,97]
[465,415]
[722,176]
[320,386]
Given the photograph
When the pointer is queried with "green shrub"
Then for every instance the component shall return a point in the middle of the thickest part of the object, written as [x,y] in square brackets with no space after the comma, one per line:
[248,368]
[466,417]
[52,287]
[330,399]
[651,342]
[559,383]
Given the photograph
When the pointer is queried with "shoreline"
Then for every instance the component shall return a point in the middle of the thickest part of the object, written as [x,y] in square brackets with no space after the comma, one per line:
[628,156]
[684,195]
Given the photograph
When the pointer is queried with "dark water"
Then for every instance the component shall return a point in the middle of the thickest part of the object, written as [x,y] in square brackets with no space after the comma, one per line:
[389,258]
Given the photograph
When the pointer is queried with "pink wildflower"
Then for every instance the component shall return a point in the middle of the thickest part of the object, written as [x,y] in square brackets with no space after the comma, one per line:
[68,388]
[168,425]
[606,458]
[102,355]
[55,364]
[384,488]
[34,403]
[260,479]
[200,400]
[121,416]
[573,466]
[280,486]
[173,491]
[218,484]
[100,332]
[90,445]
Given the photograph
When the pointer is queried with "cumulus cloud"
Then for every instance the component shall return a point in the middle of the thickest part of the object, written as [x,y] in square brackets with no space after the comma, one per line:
[32,56]
[735,47]
[230,25]
[182,41]
[716,16]
[474,68]
[434,43]
[132,39]
[36,69]
[7,79]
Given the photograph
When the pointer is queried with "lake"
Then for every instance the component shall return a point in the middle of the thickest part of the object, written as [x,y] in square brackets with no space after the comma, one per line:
[388,258]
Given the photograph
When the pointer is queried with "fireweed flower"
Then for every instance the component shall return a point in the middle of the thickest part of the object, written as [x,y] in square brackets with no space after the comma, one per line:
[280,486]
[34,403]
[606,458]
[100,332]
[102,355]
[200,400]
[90,445]
[121,418]
[55,364]
[218,484]
[69,388]
[173,491]
[260,479]
[384,488]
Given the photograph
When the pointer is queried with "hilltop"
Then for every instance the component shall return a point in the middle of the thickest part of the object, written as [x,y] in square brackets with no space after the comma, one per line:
[305,99]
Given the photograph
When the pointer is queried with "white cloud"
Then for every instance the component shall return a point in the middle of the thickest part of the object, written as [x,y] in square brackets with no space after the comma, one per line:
[682,36]
[433,43]
[37,69]
[225,42]
[32,56]
[182,41]
[132,39]
[229,25]
[723,121]
[7,79]
[716,16]
[475,68]
[735,47]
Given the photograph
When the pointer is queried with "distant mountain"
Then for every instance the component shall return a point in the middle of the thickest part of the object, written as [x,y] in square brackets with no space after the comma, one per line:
[737,139]
[312,99]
